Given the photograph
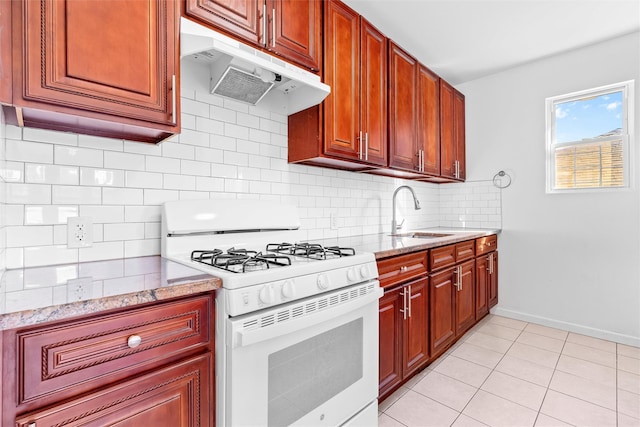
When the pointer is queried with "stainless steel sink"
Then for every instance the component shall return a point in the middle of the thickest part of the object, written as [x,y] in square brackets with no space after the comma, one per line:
[421,235]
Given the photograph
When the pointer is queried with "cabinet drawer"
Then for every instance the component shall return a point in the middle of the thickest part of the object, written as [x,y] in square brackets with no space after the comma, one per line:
[486,244]
[442,257]
[396,270]
[69,358]
[465,250]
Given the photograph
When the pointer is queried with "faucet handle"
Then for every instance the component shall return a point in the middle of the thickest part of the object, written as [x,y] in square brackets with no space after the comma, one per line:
[399,226]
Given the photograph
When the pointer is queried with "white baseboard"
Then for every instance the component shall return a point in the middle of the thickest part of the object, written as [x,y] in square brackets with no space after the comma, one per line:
[567,326]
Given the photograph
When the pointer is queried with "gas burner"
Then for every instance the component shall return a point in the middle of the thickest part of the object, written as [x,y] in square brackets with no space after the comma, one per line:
[310,250]
[240,260]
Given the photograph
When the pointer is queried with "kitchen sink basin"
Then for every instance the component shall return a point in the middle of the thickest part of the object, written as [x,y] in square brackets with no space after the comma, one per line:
[421,235]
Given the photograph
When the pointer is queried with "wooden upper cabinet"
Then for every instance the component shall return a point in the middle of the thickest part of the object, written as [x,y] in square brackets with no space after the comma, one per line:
[241,18]
[402,109]
[452,132]
[97,67]
[373,93]
[6,93]
[295,31]
[342,73]
[428,132]
[288,28]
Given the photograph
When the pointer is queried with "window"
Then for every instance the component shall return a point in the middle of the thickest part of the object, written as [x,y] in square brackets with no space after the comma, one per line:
[588,139]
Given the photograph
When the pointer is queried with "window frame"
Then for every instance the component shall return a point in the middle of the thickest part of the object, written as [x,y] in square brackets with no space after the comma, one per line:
[627,89]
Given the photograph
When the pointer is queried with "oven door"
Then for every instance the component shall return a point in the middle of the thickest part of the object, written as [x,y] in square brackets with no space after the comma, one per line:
[310,362]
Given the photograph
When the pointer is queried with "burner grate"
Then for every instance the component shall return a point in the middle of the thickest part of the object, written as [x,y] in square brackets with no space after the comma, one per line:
[239,260]
[310,250]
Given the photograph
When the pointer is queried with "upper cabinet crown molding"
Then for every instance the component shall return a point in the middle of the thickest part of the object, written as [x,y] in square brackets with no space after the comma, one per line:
[290,29]
[120,82]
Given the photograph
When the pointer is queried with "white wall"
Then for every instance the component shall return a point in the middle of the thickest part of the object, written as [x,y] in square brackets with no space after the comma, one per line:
[570,261]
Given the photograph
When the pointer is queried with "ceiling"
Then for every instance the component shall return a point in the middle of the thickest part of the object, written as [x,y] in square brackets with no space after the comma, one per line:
[462,40]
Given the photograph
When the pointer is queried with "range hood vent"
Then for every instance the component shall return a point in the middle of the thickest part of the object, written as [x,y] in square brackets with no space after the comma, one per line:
[245,74]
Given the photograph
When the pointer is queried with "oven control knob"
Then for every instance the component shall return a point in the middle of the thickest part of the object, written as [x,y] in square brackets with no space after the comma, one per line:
[323,281]
[266,294]
[288,290]
[351,275]
[364,272]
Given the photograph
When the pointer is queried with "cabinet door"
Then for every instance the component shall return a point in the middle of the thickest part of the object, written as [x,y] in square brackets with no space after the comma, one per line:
[403,153]
[459,133]
[482,286]
[91,59]
[342,69]
[447,144]
[294,29]
[429,120]
[416,326]
[442,310]
[177,396]
[373,92]
[390,340]
[465,293]
[241,18]
[6,93]
[493,280]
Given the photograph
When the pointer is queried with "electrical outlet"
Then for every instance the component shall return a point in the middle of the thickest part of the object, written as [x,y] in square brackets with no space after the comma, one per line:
[79,232]
[79,289]
[333,221]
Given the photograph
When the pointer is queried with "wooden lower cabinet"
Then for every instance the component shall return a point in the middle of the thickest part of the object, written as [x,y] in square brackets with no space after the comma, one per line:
[177,396]
[442,314]
[482,286]
[493,279]
[147,365]
[465,297]
[403,333]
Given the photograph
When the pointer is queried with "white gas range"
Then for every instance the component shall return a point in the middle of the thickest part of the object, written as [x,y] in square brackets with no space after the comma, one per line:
[297,323]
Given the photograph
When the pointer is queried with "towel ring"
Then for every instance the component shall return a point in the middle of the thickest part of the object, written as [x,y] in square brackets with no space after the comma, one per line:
[501,180]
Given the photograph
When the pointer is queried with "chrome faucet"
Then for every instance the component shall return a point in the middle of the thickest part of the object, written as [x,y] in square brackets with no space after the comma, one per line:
[416,204]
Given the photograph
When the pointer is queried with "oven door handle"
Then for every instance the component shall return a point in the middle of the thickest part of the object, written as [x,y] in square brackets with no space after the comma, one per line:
[247,338]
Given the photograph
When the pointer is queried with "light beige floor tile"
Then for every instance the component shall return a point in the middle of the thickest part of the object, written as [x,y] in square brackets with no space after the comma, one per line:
[490,342]
[416,379]
[589,370]
[629,382]
[547,421]
[509,323]
[627,421]
[446,390]
[386,421]
[414,409]
[592,342]
[499,331]
[479,355]
[558,334]
[464,421]
[515,390]
[629,364]
[540,341]
[393,398]
[577,412]
[584,389]
[463,370]
[590,354]
[525,370]
[496,411]
[534,354]
[629,351]
[629,403]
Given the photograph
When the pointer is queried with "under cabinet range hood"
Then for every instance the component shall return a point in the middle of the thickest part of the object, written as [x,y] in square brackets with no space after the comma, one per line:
[240,72]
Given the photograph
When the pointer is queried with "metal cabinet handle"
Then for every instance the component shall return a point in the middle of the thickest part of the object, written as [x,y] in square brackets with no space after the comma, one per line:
[360,146]
[134,341]
[33,424]
[366,146]
[404,304]
[403,269]
[264,24]
[409,298]
[273,28]
[174,100]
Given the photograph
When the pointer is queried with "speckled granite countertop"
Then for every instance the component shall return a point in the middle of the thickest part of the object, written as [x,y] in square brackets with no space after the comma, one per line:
[30,296]
[384,245]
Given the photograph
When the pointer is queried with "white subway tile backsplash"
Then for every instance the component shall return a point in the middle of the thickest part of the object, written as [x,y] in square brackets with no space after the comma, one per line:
[102,251]
[179,182]
[49,255]
[209,184]
[13,215]
[247,120]
[12,171]
[51,174]
[18,193]
[211,126]
[126,161]
[237,159]
[198,139]
[122,196]
[142,213]
[235,131]
[23,236]
[102,177]
[75,195]
[158,197]
[48,214]
[162,164]
[226,115]
[25,151]
[178,150]
[102,213]
[133,248]
[196,108]
[209,155]
[143,179]
[123,231]
[142,148]
[222,142]
[100,143]
[76,156]
[192,167]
